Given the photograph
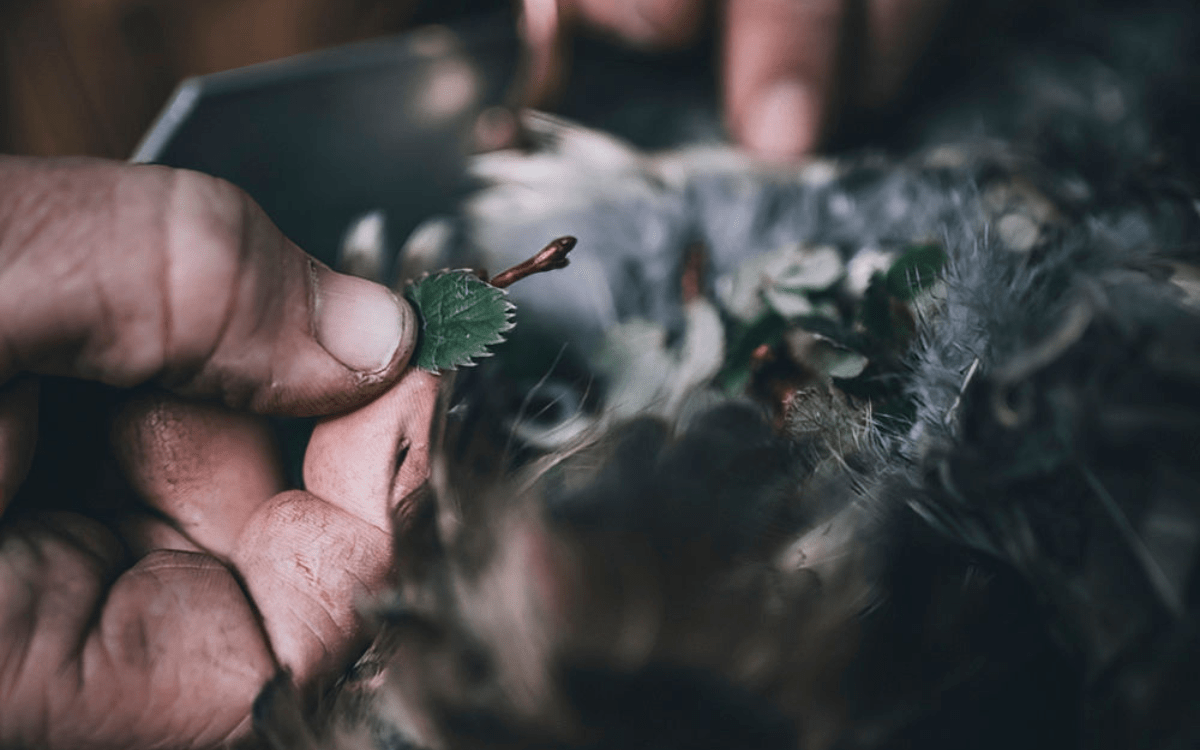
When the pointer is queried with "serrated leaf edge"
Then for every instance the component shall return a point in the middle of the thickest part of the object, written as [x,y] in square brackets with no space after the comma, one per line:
[499,338]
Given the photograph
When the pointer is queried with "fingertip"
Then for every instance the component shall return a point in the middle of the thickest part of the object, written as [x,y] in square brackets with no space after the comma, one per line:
[781,65]
[363,325]
[371,462]
[356,341]
[253,320]
[782,121]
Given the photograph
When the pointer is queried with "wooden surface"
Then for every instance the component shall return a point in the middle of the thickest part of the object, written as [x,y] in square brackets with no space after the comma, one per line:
[88,76]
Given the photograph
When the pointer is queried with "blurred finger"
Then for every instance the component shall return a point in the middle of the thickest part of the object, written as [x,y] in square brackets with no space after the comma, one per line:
[545,60]
[781,72]
[18,434]
[127,274]
[897,32]
[205,467]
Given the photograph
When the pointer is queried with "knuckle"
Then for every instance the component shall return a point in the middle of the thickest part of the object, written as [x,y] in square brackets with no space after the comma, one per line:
[206,218]
[180,276]
[205,262]
[215,204]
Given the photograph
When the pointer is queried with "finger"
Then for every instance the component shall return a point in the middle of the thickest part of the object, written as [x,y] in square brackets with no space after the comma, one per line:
[309,566]
[168,654]
[897,32]
[648,23]
[781,71]
[545,60]
[310,563]
[370,462]
[205,467]
[18,434]
[127,274]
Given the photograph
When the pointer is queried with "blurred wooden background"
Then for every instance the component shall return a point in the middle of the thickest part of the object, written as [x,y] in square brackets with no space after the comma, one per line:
[88,76]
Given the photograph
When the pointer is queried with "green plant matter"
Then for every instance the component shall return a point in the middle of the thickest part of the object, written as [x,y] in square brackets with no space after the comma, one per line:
[462,314]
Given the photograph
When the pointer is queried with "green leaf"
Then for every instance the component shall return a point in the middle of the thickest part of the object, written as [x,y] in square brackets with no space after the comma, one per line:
[461,316]
[914,270]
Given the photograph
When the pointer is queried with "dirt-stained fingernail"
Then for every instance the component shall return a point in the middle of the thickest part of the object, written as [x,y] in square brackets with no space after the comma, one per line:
[361,323]
[782,120]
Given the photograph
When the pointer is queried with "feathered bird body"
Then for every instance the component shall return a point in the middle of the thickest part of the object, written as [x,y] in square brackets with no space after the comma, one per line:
[942,499]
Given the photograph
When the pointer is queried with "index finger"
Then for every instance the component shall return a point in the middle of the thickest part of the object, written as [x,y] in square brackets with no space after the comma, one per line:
[781,70]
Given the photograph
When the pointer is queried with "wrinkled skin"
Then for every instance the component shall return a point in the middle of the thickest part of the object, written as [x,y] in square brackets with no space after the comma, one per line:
[160,630]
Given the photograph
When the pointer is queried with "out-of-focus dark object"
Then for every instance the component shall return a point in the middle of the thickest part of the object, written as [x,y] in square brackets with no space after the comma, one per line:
[321,138]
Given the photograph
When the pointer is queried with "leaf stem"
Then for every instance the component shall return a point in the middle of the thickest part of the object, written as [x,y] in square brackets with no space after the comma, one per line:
[552,256]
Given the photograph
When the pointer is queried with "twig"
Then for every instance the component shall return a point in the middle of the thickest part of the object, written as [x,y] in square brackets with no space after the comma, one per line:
[552,257]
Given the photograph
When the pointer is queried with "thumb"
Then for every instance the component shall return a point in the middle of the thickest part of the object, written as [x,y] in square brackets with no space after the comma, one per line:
[131,274]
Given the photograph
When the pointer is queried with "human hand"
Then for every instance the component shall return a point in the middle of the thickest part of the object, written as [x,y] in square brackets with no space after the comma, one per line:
[789,66]
[160,626]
